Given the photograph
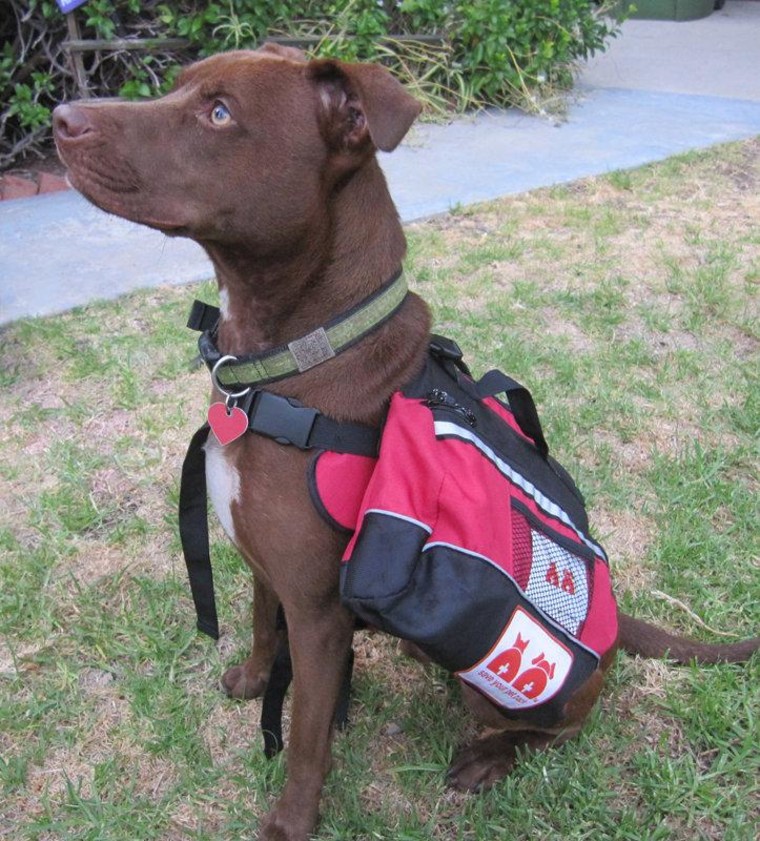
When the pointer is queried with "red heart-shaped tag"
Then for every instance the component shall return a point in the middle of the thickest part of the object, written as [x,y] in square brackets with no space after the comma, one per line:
[227,425]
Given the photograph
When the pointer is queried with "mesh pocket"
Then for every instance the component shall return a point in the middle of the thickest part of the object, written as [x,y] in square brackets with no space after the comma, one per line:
[554,579]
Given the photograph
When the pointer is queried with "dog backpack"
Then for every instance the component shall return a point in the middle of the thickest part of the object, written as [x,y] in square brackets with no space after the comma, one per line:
[473,542]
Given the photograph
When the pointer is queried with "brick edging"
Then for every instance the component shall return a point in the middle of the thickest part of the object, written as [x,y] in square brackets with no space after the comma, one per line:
[25,185]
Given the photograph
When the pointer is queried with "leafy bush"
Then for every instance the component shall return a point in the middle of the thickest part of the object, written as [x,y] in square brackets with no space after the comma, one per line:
[509,49]
[35,72]
[482,52]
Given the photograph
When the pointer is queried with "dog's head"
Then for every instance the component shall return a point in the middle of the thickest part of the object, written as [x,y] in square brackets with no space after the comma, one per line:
[248,144]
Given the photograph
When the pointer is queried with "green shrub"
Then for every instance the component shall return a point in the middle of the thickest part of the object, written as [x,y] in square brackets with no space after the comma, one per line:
[483,52]
[509,49]
[35,73]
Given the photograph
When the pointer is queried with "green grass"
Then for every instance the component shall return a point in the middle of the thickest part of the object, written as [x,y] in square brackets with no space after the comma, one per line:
[629,305]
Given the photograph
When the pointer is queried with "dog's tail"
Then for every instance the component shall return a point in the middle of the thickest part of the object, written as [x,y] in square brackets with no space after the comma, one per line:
[646,640]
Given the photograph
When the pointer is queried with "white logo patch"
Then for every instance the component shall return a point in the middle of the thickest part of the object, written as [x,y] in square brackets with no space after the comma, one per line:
[526,667]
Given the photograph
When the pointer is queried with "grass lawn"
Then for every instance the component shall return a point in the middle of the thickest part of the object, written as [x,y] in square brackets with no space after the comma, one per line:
[629,305]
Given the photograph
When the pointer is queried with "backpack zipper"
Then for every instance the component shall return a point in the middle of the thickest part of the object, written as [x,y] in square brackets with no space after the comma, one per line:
[440,399]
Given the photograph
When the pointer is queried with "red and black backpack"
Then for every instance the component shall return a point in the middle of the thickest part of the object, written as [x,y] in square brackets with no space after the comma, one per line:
[473,542]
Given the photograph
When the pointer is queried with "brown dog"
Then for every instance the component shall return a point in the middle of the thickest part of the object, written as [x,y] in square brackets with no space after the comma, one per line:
[268,161]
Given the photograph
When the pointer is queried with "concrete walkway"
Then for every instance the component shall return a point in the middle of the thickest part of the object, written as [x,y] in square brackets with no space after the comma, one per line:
[660,88]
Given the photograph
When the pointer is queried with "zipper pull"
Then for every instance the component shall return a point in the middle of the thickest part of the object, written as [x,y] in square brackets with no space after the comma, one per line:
[440,399]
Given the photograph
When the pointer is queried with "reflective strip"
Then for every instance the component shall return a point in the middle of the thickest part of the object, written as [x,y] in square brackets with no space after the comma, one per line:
[463,551]
[398,516]
[447,429]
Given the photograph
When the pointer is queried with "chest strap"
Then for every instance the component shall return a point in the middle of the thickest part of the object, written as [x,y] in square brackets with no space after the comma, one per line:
[289,422]
[193,532]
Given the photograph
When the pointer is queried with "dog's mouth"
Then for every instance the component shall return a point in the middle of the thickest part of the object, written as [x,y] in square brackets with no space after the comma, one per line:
[169,230]
[119,192]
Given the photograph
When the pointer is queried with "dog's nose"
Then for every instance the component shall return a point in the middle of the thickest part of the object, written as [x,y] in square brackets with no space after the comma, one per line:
[70,122]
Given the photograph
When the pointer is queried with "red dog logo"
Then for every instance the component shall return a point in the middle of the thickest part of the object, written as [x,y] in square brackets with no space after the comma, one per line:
[532,682]
[507,665]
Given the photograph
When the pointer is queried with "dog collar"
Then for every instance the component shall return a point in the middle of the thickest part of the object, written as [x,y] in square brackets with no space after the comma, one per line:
[234,373]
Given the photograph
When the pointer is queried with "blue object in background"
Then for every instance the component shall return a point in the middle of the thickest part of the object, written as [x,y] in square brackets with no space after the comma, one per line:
[67,6]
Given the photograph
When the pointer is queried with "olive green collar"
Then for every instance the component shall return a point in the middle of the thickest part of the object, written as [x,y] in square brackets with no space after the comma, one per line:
[232,374]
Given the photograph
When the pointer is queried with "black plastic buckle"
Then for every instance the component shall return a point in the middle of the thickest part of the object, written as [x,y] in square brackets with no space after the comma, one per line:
[282,418]
[202,317]
[445,348]
[448,351]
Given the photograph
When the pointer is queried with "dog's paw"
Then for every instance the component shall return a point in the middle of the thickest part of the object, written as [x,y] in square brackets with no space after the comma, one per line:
[239,682]
[479,765]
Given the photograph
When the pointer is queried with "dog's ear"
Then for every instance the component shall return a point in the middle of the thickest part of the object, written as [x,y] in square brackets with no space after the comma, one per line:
[361,101]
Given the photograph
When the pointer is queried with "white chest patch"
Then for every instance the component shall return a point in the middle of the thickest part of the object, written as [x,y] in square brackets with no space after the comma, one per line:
[224,304]
[223,484]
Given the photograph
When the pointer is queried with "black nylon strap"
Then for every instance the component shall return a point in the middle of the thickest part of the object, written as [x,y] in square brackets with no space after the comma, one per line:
[449,354]
[521,403]
[353,438]
[344,698]
[193,531]
[274,697]
[290,422]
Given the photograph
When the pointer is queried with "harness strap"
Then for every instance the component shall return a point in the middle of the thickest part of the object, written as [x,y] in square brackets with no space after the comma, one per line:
[289,422]
[193,532]
[449,354]
[274,697]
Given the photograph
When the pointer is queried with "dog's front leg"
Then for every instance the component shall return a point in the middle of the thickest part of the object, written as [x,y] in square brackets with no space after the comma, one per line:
[249,679]
[320,640]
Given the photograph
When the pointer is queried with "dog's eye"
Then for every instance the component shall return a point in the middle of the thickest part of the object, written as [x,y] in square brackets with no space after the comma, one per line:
[220,114]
